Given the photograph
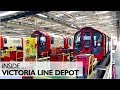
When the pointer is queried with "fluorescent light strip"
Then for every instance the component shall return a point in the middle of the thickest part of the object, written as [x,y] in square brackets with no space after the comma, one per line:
[70,12]
[59,15]
[80,17]
[8,13]
[103,12]
[41,15]
[73,26]
[106,17]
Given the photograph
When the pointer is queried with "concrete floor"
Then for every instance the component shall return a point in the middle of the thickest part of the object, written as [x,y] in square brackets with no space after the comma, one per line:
[116,57]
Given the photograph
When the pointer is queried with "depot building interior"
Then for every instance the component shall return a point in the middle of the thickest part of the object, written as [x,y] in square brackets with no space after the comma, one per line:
[25,23]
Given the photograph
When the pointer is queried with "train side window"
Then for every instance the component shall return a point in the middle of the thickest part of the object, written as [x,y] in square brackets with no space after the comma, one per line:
[5,40]
[52,40]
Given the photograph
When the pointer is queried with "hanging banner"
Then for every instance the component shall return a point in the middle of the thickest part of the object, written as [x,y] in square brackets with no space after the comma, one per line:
[30,49]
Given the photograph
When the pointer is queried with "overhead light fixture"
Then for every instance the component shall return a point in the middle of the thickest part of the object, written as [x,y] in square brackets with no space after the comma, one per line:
[59,15]
[73,26]
[41,15]
[8,13]
[70,12]
[80,17]
[107,21]
[106,17]
[101,12]
[89,24]
[70,20]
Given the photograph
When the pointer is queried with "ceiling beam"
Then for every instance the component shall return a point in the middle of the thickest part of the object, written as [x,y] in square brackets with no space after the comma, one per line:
[55,20]
[19,15]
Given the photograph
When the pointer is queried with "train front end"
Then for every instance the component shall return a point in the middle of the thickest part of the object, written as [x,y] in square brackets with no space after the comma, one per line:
[89,41]
[43,43]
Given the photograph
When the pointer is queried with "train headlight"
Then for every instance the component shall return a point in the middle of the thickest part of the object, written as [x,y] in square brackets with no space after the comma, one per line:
[99,44]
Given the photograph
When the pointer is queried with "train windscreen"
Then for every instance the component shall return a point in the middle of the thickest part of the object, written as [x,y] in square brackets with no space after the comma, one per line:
[86,39]
[97,42]
[77,43]
[42,42]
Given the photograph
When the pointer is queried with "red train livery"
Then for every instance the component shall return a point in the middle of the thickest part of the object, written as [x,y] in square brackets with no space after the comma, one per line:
[47,41]
[91,41]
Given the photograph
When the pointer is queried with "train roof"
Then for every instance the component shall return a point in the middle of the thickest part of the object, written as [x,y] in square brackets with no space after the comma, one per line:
[93,29]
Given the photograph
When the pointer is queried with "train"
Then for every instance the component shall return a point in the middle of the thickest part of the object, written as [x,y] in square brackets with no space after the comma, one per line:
[10,47]
[11,41]
[91,41]
[47,41]
[87,42]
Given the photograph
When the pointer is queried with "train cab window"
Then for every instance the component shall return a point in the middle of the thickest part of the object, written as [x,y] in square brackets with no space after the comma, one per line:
[42,39]
[97,37]
[77,43]
[42,43]
[5,40]
[78,40]
[52,40]
[97,42]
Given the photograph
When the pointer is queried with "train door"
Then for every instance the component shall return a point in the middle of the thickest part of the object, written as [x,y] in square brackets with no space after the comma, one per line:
[77,43]
[42,43]
[87,41]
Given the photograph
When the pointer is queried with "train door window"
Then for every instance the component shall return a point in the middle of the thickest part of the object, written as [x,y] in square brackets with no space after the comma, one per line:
[86,39]
[52,40]
[5,40]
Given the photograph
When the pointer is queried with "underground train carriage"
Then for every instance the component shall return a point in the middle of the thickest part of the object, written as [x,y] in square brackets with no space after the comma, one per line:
[14,48]
[57,47]
[91,41]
